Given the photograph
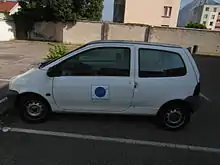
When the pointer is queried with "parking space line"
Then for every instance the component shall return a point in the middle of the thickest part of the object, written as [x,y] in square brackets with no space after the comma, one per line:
[7,53]
[3,100]
[206,98]
[117,140]
[6,80]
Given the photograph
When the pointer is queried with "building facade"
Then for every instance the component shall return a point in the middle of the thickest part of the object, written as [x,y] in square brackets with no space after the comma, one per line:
[156,13]
[206,12]
[210,16]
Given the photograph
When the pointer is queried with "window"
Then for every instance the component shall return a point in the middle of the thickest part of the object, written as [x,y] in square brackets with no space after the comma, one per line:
[213,16]
[211,23]
[204,22]
[105,61]
[118,14]
[206,16]
[167,11]
[218,13]
[207,9]
[157,63]
[215,9]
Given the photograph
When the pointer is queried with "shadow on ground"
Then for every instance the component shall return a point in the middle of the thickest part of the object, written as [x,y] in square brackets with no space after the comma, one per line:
[5,113]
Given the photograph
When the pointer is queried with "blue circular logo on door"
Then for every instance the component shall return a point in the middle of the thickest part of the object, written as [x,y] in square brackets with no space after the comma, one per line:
[100,92]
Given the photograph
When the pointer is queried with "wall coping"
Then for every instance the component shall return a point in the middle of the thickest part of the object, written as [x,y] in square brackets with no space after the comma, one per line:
[183,28]
[137,25]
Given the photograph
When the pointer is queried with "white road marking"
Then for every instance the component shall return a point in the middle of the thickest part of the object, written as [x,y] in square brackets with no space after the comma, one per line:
[3,100]
[6,53]
[206,98]
[5,129]
[116,140]
[6,80]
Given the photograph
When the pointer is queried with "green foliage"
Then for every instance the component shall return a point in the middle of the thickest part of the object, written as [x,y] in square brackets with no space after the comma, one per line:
[195,25]
[60,10]
[90,10]
[57,51]
[32,11]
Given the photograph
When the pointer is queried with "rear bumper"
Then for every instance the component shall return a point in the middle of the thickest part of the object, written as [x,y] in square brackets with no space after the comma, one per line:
[8,101]
[195,102]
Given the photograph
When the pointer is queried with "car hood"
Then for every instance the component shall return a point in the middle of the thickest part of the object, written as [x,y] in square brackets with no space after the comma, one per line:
[31,76]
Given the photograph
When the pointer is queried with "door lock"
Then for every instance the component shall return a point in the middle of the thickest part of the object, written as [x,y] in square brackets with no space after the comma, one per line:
[135,84]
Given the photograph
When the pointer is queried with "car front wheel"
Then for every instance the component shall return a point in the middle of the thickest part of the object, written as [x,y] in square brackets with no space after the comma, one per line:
[33,109]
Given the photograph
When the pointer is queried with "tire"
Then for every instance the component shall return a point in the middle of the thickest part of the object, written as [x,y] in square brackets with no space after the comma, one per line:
[33,109]
[174,116]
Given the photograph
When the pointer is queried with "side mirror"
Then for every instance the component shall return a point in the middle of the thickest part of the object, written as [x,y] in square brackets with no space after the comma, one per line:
[53,72]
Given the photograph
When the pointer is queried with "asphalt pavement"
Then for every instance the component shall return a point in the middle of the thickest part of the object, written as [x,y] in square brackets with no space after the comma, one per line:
[119,140]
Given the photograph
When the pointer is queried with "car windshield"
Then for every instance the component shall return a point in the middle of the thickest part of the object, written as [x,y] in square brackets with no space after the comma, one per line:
[47,62]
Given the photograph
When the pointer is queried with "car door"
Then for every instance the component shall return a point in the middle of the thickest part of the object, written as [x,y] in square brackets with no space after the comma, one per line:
[160,77]
[99,78]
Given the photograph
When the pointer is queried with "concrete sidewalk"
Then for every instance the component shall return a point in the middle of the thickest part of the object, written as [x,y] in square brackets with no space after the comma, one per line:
[17,56]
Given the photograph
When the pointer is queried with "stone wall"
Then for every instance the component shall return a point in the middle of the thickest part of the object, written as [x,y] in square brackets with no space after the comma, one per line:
[47,31]
[83,31]
[127,32]
[208,41]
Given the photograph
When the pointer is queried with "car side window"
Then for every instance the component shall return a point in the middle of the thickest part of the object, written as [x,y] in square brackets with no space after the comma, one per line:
[103,61]
[158,63]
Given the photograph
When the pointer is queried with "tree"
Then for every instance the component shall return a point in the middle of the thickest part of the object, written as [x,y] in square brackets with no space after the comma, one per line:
[195,25]
[91,9]
[60,10]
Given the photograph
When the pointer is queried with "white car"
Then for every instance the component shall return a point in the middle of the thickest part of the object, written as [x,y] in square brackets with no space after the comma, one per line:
[113,77]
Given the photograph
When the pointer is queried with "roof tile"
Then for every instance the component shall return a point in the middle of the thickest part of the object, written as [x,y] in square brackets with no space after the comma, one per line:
[7,6]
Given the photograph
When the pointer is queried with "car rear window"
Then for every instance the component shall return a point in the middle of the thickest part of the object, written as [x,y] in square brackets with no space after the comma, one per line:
[158,63]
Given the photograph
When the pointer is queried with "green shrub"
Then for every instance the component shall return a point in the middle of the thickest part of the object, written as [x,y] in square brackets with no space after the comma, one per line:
[195,25]
[57,51]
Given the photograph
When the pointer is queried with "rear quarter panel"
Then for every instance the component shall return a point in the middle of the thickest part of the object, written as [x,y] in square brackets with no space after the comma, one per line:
[151,93]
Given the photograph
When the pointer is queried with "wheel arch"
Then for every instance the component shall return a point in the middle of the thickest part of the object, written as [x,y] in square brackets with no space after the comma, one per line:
[33,94]
[176,101]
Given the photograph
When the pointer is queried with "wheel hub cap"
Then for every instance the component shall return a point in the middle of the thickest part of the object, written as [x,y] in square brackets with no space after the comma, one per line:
[174,118]
[34,109]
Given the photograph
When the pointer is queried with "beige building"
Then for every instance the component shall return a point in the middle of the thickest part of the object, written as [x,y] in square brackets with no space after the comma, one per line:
[156,13]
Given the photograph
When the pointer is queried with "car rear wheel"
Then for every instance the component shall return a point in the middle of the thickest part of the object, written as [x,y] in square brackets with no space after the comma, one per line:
[33,109]
[174,116]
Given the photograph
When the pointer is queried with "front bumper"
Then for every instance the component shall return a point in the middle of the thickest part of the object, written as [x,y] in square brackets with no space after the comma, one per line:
[8,101]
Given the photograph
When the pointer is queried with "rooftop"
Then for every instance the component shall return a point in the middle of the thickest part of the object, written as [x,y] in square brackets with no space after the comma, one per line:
[135,42]
[7,6]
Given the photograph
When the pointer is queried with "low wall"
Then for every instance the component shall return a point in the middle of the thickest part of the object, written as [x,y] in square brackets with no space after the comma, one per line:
[208,41]
[48,31]
[127,32]
[83,32]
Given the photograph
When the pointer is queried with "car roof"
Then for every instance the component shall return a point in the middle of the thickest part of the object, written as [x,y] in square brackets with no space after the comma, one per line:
[134,42]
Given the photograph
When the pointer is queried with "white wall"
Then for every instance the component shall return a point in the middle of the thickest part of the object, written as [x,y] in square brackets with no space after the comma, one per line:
[7,30]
